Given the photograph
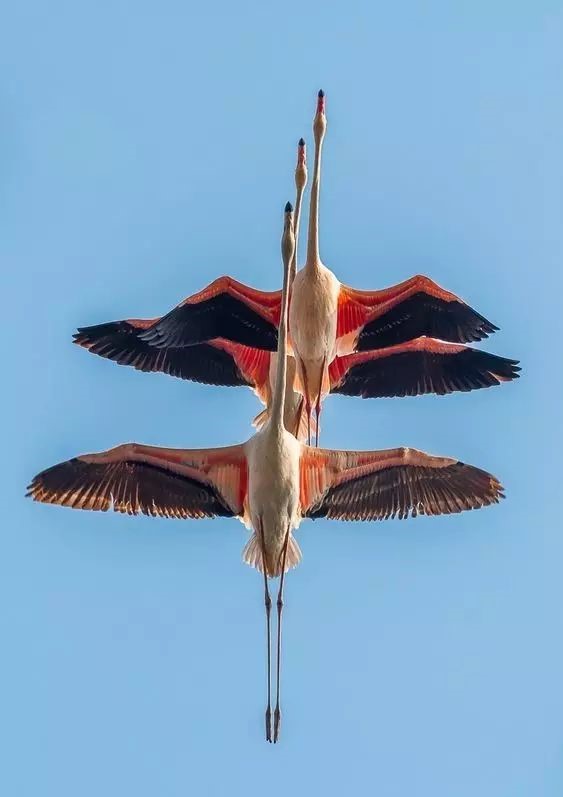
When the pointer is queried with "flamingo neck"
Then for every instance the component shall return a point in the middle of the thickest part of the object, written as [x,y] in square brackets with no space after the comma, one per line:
[278,402]
[313,257]
[297,218]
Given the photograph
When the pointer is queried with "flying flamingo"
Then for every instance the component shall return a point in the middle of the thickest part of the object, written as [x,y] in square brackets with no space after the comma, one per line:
[327,318]
[271,483]
[414,367]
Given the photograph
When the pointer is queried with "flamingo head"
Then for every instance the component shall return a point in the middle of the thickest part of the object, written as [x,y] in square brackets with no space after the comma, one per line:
[301,168]
[319,122]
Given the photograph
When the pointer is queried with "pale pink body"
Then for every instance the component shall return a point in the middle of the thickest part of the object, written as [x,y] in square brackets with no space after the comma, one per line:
[273,456]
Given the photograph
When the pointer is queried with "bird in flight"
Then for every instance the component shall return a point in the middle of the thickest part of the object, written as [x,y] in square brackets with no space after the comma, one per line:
[392,342]
[271,482]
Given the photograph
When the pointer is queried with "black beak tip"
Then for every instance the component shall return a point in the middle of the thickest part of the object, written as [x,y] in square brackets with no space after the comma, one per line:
[288,207]
[301,142]
[321,94]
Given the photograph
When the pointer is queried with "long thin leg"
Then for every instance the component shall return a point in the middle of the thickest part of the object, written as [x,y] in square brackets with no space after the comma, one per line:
[307,399]
[299,416]
[317,416]
[318,406]
[268,605]
[277,712]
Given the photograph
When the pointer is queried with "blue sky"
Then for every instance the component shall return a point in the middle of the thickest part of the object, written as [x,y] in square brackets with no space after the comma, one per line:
[147,148]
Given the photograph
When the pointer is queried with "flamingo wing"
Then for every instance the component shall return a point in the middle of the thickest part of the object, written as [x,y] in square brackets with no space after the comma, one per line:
[418,306]
[420,366]
[400,482]
[225,309]
[217,362]
[136,479]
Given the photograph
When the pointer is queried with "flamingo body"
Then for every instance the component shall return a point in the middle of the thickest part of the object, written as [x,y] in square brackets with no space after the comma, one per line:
[313,319]
[273,457]
[313,314]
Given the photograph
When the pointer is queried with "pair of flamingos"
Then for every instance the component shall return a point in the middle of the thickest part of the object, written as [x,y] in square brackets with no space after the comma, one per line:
[401,341]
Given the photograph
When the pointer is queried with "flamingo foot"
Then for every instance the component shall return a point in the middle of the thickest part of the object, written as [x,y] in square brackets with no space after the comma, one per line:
[268,724]
[318,404]
[277,721]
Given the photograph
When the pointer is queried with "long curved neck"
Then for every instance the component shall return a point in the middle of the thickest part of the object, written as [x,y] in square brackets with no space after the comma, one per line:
[313,258]
[300,183]
[278,401]
[297,218]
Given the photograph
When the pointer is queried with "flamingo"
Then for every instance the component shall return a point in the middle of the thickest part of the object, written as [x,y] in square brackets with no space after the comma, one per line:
[327,318]
[272,482]
[413,367]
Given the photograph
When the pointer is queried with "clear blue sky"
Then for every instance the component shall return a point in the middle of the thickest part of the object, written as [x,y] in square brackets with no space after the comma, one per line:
[147,148]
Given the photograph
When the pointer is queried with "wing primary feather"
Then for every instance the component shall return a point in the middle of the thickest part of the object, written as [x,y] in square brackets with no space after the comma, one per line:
[407,490]
[130,487]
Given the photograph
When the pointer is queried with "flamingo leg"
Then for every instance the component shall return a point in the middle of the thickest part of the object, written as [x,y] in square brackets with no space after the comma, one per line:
[299,415]
[277,712]
[268,605]
[318,405]
[305,384]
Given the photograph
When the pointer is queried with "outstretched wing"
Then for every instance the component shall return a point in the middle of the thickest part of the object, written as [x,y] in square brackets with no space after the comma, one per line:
[373,320]
[225,309]
[423,365]
[400,482]
[136,479]
[217,362]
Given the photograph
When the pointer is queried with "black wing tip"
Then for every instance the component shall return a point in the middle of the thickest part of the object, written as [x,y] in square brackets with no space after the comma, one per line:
[512,370]
[485,327]
[481,478]
[473,327]
[92,328]
[95,332]
[83,333]
[473,334]
[36,484]
[504,367]
[463,371]
[288,207]
[83,339]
